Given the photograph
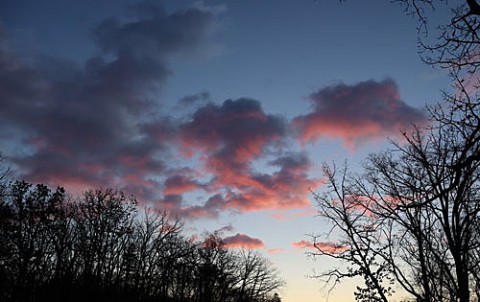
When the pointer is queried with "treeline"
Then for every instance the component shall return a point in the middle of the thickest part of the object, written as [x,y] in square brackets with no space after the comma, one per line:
[100,247]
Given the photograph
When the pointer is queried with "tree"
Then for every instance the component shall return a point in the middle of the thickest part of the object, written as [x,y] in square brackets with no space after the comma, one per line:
[27,255]
[257,277]
[275,298]
[4,174]
[155,256]
[233,275]
[104,223]
[410,220]
[452,45]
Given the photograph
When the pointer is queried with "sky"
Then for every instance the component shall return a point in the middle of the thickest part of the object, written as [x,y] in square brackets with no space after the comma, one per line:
[221,112]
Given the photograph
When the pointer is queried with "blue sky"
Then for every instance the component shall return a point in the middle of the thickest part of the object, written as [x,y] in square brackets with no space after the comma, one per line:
[220,111]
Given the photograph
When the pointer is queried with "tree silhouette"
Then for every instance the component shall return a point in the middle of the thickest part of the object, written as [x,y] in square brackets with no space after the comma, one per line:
[410,220]
[101,248]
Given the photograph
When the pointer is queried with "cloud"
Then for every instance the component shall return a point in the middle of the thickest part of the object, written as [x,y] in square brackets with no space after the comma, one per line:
[275,251]
[303,244]
[177,206]
[330,247]
[191,99]
[98,123]
[227,228]
[236,131]
[291,215]
[285,188]
[178,184]
[229,137]
[102,123]
[325,247]
[153,33]
[243,241]
[354,113]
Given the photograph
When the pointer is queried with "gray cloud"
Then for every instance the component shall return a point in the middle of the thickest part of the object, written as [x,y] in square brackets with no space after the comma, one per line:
[93,123]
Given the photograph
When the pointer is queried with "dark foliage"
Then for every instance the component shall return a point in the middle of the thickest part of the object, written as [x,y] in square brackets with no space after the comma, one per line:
[100,248]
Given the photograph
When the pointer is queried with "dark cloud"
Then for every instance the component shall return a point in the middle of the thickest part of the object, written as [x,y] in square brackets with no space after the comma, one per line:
[235,132]
[178,184]
[92,124]
[154,33]
[356,112]
[227,228]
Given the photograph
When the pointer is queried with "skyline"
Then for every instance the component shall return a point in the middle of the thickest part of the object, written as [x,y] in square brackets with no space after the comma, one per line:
[212,110]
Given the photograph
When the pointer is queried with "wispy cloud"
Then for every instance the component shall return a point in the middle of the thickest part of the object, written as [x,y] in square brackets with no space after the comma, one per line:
[302,244]
[323,246]
[294,214]
[193,99]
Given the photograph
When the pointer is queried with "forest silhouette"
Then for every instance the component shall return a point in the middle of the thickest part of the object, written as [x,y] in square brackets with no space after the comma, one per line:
[101,247]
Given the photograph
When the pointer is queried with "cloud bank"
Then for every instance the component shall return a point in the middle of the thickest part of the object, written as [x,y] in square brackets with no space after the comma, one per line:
[103,123]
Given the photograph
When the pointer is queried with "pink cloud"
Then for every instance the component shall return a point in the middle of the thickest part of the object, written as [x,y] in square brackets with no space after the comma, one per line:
[286,188]
[367,110]
[275,251]
[289,215]
[324,247]
[243,241]
[303,244]
[246,191]
[330,247]
[194,238]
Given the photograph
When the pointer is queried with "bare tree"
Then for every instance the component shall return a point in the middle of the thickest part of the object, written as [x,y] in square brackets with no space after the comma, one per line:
[452,44]
[155,250]
[99,248]
[257,277]
[104,224]
[411,218]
